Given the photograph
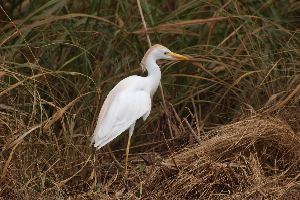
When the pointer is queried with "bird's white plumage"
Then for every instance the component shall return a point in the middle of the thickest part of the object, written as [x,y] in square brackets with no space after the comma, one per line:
[130,99]
[126,103]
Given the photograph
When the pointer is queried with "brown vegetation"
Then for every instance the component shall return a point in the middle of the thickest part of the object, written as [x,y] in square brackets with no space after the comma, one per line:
[224,126]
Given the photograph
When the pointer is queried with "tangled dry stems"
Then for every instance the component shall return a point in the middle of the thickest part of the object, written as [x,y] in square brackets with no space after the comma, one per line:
[257,157]
[253,158]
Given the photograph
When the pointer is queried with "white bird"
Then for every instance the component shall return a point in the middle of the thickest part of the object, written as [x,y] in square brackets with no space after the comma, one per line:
[130,99]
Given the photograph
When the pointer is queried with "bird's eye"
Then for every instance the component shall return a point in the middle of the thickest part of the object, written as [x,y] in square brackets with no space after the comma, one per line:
[165,53]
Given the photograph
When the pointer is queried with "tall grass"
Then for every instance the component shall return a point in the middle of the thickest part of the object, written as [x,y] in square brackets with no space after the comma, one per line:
[59,59]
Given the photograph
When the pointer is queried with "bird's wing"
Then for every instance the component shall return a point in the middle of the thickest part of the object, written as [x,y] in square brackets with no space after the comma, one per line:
[121,111]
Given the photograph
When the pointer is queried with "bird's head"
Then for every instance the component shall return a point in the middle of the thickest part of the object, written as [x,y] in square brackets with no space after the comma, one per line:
[160,52]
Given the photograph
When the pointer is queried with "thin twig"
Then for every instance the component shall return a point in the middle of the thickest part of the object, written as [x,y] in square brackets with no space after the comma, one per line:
[149,43]
[192,131]
[144,23]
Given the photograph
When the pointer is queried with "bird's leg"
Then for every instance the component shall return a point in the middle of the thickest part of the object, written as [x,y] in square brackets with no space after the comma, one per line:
[113,156]
[131,128]
[126,159]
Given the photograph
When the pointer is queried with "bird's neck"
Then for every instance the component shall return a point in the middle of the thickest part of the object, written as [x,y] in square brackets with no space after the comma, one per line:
[154,73]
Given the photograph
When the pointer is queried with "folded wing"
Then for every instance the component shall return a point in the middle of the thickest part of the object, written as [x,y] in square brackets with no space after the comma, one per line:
[120,110]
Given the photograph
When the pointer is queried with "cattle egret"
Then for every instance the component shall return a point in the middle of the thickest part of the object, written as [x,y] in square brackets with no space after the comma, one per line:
[130,99]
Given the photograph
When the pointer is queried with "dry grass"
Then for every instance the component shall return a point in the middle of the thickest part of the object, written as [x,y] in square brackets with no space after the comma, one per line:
[250,159]
[254,158]
[225,126]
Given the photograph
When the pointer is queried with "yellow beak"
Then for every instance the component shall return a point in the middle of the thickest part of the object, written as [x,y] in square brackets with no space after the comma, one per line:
[175,55]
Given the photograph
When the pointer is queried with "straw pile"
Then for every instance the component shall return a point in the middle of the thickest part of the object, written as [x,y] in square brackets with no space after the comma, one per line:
[250,159]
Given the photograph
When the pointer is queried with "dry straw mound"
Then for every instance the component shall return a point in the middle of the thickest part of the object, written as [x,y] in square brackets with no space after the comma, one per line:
[250,159]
